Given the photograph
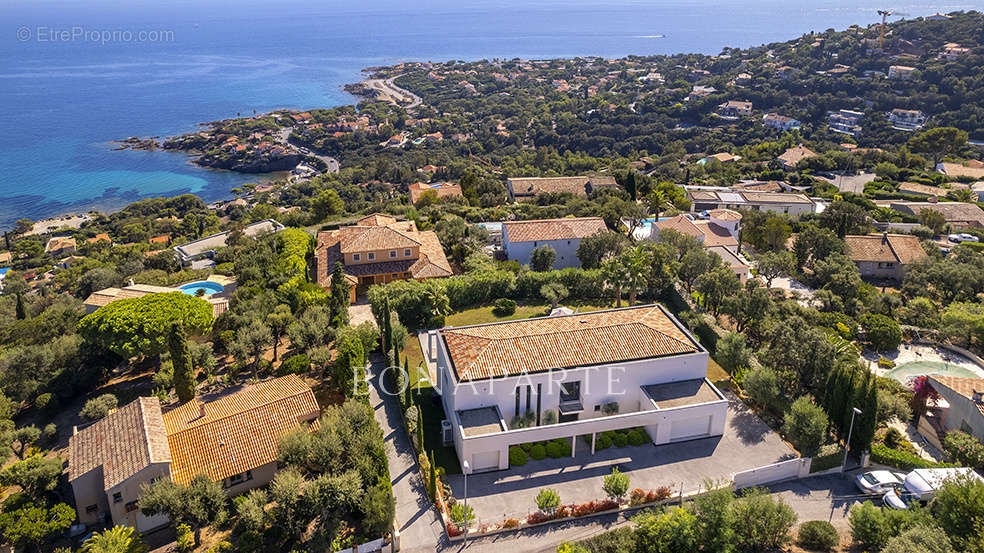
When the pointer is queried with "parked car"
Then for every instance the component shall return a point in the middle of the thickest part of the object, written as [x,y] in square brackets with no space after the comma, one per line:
[879,481]
[962,237]
[899,499]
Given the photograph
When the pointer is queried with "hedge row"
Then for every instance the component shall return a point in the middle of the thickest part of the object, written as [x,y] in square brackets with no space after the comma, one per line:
[884,455]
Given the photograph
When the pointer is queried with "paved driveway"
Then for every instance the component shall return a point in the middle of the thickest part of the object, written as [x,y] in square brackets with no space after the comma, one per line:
[827,497]
[747,443]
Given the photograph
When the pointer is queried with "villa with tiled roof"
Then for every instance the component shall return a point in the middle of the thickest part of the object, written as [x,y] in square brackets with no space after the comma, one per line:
[884,256]
[520,238]
[527,188]
[965,403]
[570,375]
[379,249]
[231,438]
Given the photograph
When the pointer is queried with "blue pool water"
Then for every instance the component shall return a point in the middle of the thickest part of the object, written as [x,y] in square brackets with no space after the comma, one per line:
[906,371]
[210,288]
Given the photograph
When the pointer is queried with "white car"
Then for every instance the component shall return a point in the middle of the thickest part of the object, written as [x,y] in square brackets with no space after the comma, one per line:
[962,237]
[879,481]
[899,499]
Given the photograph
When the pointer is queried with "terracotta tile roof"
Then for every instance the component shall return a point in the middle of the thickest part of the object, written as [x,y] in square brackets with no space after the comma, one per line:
[792,156]
[533,186]
[680,223]
[922,189]
[376,219]
[952,211]
[569,228]
[109,295]
[725,214]
[759,186]
[236,432]
[432,262]
[581,339]
[728,256]
[962,385]
[715,235]
[99,237]
[59,243]
[122,443]
[958,170]
[442,189]
[878,248]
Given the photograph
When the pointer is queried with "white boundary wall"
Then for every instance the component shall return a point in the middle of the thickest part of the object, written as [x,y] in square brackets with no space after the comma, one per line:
[783,470]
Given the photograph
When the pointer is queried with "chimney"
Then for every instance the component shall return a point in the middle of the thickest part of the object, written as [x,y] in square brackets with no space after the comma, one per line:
[131,282]
[201,410]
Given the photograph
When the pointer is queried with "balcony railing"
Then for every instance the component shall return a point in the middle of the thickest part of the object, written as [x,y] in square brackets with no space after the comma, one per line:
[570,406]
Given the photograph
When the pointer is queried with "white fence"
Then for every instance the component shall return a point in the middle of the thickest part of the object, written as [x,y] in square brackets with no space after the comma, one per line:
[368,547]
[784,470]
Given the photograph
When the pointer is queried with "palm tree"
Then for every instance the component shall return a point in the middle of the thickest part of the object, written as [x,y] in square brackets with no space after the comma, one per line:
[615,275]
[118,539]
[961,195]
[659,201]
[637,264]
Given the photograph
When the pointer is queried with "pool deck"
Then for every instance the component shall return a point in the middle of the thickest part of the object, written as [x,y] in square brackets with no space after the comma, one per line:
[909,353]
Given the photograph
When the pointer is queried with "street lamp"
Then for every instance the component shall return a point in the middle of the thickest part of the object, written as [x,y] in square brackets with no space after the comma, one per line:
[847,446]
[466,469]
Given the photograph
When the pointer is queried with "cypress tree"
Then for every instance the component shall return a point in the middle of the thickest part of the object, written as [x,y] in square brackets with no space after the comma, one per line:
[865,423]
[387,326]
[21,309]
[420,428]
[339,297]
[184,370]
[407,392]
[432,481]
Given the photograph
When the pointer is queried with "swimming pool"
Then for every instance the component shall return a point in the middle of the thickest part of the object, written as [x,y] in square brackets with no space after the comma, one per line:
[209,287]
[906,371]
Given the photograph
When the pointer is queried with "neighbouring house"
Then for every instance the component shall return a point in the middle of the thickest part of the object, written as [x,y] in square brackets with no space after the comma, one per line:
[957,170]
[514,382]
[102,236]
[978,189]
[723,157]
[198,254]
[520,238]
[162,240]
[231,438]
[379,249]
[106,296]
[845,121]
[781,122]
[903,72]
[700,91]
[441,189]
[906,119]
[60,246]
[884,256]
[734,109]
[3,275]
[965,403]
[916,189]
[937,17]
[792,156]
[958,215]
[527,188]
[791,204]
[953,51]
[718,233]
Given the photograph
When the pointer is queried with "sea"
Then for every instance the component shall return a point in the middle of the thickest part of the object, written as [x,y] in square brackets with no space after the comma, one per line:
[76,75]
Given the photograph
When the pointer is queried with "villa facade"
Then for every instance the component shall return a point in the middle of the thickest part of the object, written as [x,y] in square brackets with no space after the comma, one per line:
[572,375]
[520,238]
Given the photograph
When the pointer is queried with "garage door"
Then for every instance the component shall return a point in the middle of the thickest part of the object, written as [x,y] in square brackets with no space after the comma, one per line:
[487,461]
[690,428]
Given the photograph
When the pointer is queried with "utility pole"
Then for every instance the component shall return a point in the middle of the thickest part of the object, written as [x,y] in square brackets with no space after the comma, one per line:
[847,446]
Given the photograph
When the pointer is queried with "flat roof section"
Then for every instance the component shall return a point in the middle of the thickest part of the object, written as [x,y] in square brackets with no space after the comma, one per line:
[682,393]
[479,421]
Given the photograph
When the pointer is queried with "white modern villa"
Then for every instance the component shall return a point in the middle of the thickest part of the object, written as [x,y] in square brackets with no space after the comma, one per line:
[573,375]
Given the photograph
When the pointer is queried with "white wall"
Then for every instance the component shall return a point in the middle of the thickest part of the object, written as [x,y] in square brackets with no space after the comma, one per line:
[566,251]
[619,382]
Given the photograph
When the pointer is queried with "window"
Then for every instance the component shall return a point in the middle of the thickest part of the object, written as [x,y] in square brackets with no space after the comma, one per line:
[407,252]
[392,254]
[517,400]
[529,390]
[570,391]
[131,506]
[91,509]
[117,497]
[356,257]
[240,478]
[370,256]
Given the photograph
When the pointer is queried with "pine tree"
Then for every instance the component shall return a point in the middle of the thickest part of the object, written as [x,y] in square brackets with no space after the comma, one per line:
[21,309]
[184,370]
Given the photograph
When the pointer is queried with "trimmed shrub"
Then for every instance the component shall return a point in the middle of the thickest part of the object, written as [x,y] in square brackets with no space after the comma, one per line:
[558,448]
[547,501]
[603,442]
[527,446]
[538,452]
[504,307]
[295,364]
[819,535]
[621,439]
[901,460]
[638,437]
[517,457]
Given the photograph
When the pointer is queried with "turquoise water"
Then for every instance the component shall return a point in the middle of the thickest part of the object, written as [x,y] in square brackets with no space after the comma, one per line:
[906,371]
[210,288]
[65,100]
